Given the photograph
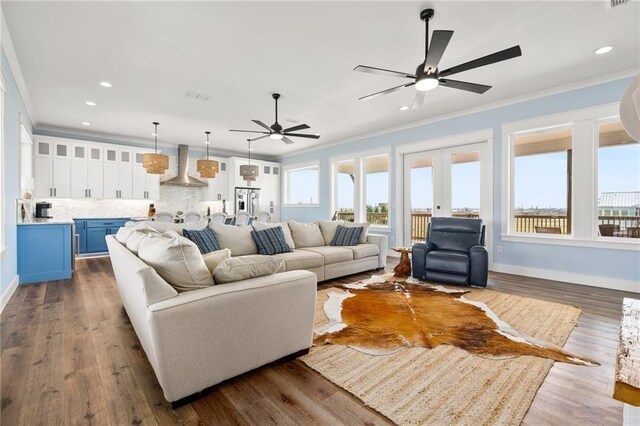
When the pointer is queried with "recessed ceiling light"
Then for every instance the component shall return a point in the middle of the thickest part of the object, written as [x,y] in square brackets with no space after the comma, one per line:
[105,84]
[86,123]
[602,50]
[91,103]
[403,108]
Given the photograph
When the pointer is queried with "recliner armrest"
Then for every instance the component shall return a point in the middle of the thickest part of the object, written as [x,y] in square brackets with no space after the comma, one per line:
[418,259]
[478,266]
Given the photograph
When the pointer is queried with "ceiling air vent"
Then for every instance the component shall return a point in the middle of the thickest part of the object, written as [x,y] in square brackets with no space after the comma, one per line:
[198,96]
[615,3]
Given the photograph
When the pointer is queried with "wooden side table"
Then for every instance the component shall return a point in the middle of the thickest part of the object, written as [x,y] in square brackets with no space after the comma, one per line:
[403,269]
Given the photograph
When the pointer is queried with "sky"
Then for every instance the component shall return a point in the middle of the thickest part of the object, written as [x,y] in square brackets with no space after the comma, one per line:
[540,181]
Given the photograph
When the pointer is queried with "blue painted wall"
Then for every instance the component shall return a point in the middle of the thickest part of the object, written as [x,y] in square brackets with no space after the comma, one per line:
[13,109]
[618,264]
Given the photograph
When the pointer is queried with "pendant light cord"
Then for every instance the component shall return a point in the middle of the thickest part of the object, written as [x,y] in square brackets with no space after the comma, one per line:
[155,135]
[208,133]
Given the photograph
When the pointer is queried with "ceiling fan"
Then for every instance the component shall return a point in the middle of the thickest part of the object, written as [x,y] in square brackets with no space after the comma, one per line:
[427,75]
[276,131]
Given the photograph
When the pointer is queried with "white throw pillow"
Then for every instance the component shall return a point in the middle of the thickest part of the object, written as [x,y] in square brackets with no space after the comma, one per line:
[177,260]
[213,259]
[238,239]
[328,229]
[124,232]
[178,227]
[306,234]
[245,267]
[134,240]
[261,226]
[365,230]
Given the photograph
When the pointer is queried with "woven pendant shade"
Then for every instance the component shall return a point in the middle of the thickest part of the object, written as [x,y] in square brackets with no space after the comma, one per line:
[208,169]
[155,164]
[249,172]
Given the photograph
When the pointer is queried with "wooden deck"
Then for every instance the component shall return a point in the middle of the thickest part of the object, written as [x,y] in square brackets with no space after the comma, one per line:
[70,356]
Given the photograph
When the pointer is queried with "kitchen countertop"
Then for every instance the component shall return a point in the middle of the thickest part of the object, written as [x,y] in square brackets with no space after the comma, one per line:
[50,221]
[112,218]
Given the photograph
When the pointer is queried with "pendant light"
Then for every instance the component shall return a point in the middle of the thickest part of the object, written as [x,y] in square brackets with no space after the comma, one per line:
[247,171]
[155,164]
[207,168]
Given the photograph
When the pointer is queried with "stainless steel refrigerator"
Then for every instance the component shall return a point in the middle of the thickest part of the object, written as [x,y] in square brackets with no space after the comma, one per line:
[247,199]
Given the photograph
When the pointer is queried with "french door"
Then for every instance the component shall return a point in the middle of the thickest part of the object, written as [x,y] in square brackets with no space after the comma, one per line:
[454,181]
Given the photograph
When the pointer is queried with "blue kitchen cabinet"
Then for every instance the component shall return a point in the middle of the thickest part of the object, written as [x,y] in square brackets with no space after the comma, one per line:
[44,252]
[92,233]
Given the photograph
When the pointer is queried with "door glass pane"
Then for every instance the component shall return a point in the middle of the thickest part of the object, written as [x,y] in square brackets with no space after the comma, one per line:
[95,153]
[267,170]
[61,150]
[465,184]
[376,171]
[421,196]
[541,182]
[78,152]
[345,176]
[111,155]
[124,156]
[223,167]
[618,183]
[139,158]
[43,148]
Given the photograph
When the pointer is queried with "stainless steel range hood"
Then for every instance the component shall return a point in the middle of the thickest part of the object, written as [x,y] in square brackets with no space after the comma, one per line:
[183,178]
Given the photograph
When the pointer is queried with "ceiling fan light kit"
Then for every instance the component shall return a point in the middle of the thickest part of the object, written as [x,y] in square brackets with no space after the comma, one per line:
[208,169]
[154,163]
[428,76]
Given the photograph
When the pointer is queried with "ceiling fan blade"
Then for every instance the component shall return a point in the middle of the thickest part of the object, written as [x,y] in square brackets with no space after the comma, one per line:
[503,55]
[418,101]
[439,42]
[261,124]
[463,85]
[248,131]
[258,138]
[384,92]
[300,135]
[382,71]
[287,140]
[298,127]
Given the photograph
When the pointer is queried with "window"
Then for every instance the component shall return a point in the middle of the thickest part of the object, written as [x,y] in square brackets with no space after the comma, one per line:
[376,171]
[465,184]
[302,185]
[618,182]
[345,190]
[542,182]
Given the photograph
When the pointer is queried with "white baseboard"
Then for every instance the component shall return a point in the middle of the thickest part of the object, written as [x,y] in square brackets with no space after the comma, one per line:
[570,277]
[6,295]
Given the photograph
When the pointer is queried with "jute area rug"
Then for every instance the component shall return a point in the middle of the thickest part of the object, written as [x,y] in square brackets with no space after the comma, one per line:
[446,385]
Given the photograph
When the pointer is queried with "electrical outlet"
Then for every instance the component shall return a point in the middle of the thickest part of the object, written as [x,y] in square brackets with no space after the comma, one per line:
[499,249]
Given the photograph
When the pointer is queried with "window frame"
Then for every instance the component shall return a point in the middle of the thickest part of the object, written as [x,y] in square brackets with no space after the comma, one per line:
[286,170]
[584,123]
[3,246]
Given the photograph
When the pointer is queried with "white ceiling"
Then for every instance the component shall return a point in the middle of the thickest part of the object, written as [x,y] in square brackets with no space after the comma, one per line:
[239,53]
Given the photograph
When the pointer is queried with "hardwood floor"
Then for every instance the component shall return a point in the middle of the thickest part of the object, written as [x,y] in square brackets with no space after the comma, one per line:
[70,356]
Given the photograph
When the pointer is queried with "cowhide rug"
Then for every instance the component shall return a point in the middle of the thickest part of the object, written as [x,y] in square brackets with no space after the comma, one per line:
[381,315]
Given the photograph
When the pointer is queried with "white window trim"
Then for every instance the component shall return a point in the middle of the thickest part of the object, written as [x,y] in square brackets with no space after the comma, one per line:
[584,123]
[3,247]
[284,170]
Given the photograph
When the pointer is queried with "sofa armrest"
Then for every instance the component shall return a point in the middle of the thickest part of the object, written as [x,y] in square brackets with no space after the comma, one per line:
[209,335]
[383,245]
[478,266]
[418,260]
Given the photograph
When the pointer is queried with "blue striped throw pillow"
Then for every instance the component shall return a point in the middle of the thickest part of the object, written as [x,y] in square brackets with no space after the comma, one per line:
[271,241]
[205,240]
[347,235]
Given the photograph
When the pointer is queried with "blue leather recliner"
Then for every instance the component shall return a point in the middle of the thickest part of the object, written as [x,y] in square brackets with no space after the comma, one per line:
[453,253]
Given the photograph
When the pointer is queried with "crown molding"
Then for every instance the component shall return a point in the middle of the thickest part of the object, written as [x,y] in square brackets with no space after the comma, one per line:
[493,105]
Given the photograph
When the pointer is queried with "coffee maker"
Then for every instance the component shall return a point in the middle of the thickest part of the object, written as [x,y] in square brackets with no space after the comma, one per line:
[42,210]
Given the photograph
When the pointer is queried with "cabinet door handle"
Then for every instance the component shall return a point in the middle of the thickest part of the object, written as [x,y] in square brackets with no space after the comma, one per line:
[89,193]
[50,192]
[55,192]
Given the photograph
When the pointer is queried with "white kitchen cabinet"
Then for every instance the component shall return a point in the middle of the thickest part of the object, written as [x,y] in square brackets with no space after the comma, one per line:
[145,186]
[118,173]
[79,179]
[43,175]
[218,187]
[53,170]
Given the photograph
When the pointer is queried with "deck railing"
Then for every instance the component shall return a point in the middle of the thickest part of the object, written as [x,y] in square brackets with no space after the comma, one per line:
[625,226]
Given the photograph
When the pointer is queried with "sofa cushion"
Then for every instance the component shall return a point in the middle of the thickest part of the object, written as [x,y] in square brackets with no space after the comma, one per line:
[238,239]
[365,230]
[136,237]
[347,235]
[306,234]
[270,241]
[246,267]
[448,261]
[261,226]
[328,229]
[332,254]
[124,232]
[364,250]
[301,259]
[455,234]
[177,260]
[213,259]
[205,239]
[178,227]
